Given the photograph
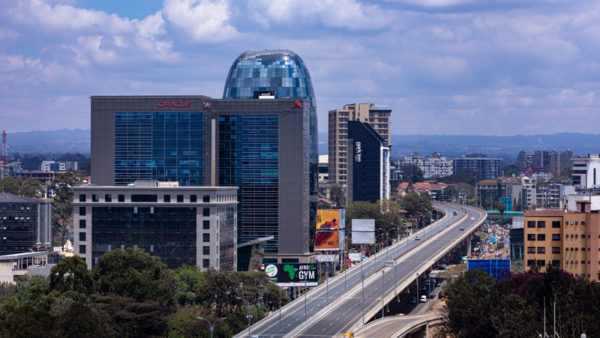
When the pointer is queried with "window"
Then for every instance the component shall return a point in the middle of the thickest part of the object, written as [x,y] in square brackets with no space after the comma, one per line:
[531,262]
[94,198]
[531,224]
[541,237]
[108,198]
[206,225]
[541,262]
[179,198]
[81,197]
[582,262]
[81,224]
[167,198]
[555,262]
[541,249]
[582,222]
[206,198]
[541,224]
[206,250]
[583,249]
[556,237]
[531,237]
[530,249]
[556,224]
[555,249]
[206,212]
[82,236]
[144,198]
[206,263]
[205,238]
[121,198]
[82,249]
[193,198]
[81,211]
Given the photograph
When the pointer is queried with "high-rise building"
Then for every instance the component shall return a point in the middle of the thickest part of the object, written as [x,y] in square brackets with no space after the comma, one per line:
[377,116]
[486,168]
[181,225]
[432,167]
[261,137]
[25,224]
[369,164]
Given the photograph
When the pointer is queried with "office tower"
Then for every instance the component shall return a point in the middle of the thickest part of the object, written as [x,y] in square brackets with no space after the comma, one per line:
[181,225]
[486,168]
[369,164]
[586,171]
[266,200]
[25,224]
[378,116]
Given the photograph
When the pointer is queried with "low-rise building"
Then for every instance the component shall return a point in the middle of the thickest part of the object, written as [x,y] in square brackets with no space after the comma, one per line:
[25,224]
[191,225]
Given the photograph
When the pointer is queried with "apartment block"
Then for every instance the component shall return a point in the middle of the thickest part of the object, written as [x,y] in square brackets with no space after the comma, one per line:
[568,240]
[432,167]
[377,116]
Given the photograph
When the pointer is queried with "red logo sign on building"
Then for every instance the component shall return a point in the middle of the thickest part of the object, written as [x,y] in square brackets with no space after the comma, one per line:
[176,104]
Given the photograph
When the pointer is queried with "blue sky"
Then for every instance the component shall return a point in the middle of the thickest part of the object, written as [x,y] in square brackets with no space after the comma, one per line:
[502,67]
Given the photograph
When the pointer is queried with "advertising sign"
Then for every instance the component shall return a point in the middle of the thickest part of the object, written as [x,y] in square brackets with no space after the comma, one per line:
[363,224]
[293,274]
[327,241]
[354,256]
[327,258]
[328,219]
[494,267]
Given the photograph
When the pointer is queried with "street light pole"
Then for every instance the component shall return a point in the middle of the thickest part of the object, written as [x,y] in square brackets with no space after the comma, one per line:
[305,292]
[418,288]
[279,310]
[382,291]
[249,319]
[212,324]
[363,297]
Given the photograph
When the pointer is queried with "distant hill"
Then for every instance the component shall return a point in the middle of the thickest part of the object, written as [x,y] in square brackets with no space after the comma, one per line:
[506,147]
[55,141]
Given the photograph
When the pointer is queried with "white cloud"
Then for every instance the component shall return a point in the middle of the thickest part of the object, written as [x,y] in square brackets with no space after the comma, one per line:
[203,20]
[151,26]
[348,14]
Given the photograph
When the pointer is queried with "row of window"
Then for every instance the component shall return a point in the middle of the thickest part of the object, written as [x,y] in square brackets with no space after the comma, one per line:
[144,198]
[83,224]
[541,249]
[83,212]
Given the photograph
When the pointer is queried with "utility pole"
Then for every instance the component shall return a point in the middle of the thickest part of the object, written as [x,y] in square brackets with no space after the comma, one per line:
[382,291]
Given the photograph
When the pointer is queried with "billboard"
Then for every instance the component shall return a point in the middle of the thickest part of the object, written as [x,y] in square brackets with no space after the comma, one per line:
[363,225]
[327,241]
[494,267]
[330,219]
[363,231]
[293,274]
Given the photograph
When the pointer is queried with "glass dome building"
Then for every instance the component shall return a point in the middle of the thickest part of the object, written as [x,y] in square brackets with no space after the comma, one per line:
[278,74]
[280,71]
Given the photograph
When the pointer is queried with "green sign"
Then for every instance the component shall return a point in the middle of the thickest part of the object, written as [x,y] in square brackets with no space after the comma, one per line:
[293,274]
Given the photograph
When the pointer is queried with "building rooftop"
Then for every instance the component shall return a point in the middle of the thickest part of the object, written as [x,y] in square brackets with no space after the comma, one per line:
[543,213]
[10,198]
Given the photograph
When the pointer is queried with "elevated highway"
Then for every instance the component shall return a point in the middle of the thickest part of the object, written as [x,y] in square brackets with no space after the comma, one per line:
[350,299]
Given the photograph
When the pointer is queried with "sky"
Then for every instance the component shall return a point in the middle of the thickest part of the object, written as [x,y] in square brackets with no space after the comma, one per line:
[496,67]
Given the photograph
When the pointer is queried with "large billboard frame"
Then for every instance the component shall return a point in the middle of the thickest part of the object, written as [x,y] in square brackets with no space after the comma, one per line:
[293,274]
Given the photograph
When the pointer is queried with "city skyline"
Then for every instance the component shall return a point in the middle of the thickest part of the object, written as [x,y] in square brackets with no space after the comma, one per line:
[443,66]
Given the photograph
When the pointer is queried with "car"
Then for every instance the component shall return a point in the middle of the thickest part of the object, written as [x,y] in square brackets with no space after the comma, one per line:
[472,218]
[455,213]
[417,238]
[423,299]
[461,228]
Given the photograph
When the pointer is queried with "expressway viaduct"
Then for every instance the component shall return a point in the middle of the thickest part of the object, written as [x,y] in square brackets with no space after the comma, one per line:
[351,299]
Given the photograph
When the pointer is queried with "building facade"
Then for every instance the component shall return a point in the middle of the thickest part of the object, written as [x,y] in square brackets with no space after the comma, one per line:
[25,224]
[566,240]
[369,161]
[181,225]
[59,166]
[586,171]
[486,168]
[377,116]
[434,166]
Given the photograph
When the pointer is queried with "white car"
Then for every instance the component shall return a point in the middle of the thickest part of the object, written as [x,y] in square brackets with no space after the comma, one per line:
[472,218]
[423,299]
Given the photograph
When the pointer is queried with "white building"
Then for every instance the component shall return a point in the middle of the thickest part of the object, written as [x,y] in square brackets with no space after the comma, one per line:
[586,171]
[432,167]
[59,166]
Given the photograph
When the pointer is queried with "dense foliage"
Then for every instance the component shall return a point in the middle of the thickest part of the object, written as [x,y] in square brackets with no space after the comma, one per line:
[130,293]
[480,306]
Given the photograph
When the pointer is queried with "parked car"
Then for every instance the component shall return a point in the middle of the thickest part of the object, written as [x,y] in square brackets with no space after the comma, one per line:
[423,299]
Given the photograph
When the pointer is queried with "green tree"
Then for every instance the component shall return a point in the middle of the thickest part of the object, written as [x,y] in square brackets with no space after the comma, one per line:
[29,321]
[416,204]
[411,173]
[31,188]
[63,209]
[71,274]
[500,206]
[136,274]
[11,185]
[337,195]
